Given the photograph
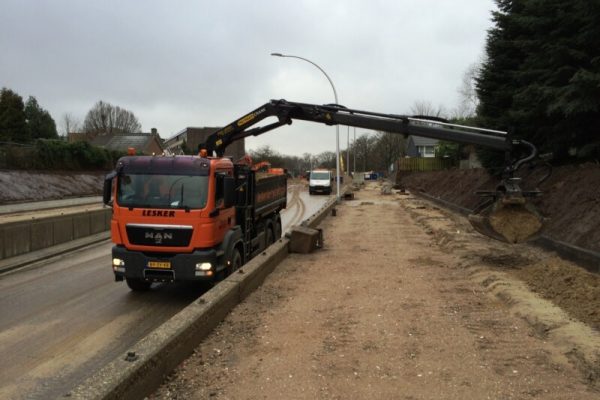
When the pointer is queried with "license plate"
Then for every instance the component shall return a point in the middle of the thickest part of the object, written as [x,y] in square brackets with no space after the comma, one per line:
[159,264]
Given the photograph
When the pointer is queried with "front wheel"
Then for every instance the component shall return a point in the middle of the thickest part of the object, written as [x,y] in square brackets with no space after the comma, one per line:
[236,260]
[138,285]
[234,263]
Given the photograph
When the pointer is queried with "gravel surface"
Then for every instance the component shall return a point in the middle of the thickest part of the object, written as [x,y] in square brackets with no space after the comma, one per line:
[403,302]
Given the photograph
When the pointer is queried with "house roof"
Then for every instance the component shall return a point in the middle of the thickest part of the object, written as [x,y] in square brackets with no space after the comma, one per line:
[422,141]
[122,141]
[197,130]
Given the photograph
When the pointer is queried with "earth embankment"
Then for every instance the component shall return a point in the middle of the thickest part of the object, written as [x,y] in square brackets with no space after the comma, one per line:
[570,200]
[24,186]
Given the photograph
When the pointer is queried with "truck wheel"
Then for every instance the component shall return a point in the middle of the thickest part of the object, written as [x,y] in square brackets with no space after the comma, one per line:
[138,285]
[269,237]
[236,263]
[236,260]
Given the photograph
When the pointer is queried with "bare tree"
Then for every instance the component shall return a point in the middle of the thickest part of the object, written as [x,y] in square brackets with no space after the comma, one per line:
[69,124]
[325,159]
[364,146]
[468,100]
[425,108]
[106,118]
[388,148]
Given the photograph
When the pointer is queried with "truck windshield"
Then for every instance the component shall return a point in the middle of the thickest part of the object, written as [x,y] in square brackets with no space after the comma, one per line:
[162,191]
[319,175]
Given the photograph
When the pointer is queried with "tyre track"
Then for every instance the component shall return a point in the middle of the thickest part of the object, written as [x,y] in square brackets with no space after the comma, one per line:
[298,204]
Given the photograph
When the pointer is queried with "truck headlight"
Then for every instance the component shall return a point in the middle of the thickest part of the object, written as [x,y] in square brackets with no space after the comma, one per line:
[205,266]
[117,262]
[118,265]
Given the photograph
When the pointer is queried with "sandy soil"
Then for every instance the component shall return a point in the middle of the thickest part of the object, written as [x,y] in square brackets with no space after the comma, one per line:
[419,308]
[570,200]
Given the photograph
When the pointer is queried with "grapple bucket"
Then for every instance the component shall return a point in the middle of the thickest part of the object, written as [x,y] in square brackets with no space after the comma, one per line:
[511,220]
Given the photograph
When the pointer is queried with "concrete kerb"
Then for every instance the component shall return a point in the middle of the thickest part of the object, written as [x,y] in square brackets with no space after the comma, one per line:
[137,373]
[252,274]
[162,350]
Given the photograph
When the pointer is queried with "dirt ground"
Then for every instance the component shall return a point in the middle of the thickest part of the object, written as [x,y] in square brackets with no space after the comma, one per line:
[570,200]
[419,308]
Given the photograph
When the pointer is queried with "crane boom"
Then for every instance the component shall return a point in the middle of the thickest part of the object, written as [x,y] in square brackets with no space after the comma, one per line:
[286,112]
[495,217]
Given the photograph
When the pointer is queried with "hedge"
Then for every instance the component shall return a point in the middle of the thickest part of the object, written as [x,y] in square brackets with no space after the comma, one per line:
[57,155]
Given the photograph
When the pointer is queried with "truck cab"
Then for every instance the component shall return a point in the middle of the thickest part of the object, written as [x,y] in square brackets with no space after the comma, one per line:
[188,218]
[319,181]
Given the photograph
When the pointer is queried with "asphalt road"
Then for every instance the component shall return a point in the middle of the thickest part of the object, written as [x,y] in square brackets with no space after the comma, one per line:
[62,321]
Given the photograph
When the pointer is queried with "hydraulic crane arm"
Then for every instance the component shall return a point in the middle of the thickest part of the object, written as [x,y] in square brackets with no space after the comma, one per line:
[286,112]
[494,218]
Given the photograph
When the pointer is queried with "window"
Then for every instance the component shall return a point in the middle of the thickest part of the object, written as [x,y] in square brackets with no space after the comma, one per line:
[426,151]
[219,196]
[320,175]
[162,191]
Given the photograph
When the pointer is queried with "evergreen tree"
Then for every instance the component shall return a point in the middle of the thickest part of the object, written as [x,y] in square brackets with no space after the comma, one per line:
[542,73]
[39,122]
[13,125]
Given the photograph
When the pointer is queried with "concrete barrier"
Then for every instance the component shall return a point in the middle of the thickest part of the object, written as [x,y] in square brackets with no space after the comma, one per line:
[17,239]
[42,234]
[21,237]
[137,373]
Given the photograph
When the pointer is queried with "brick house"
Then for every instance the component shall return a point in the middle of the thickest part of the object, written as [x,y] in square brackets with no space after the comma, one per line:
[145,143]
[194,136]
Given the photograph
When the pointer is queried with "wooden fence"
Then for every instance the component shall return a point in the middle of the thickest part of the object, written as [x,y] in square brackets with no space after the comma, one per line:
[424,164]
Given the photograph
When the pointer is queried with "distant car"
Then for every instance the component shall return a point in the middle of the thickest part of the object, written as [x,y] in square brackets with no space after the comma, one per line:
[319,182]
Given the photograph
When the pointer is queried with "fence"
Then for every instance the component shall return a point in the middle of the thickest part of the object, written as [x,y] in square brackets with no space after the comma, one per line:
[16,156]
[425,164]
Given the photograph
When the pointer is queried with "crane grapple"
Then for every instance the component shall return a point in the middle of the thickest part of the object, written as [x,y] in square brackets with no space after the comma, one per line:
[507,214]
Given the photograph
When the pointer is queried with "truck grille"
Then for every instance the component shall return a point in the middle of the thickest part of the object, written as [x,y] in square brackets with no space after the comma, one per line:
[159,235]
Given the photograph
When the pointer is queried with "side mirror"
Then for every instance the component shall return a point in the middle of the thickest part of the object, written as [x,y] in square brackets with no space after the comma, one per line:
[107,189]
[228,191]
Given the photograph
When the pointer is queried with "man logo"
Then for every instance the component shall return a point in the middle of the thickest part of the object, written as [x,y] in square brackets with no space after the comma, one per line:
[158,236]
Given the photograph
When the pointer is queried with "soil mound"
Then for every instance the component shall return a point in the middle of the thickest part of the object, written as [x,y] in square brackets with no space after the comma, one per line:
[570,200]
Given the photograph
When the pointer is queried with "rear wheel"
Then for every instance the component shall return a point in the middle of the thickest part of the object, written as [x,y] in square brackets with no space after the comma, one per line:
[278,229]
[138,285]
[269,237]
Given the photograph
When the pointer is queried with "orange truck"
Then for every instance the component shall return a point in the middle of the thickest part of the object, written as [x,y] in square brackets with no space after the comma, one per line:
[189,218]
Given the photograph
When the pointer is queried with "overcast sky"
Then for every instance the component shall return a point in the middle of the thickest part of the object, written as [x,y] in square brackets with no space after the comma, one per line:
[207,63]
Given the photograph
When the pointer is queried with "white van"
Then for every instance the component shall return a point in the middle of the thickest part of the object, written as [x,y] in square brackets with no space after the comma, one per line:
[319,181]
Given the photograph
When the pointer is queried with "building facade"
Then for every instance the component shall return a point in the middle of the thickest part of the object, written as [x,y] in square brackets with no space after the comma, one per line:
[190,138]
[417,146]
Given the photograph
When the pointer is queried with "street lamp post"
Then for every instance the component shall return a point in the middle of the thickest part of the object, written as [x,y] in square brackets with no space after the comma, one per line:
[337,127]
[348,152]
[354,152]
